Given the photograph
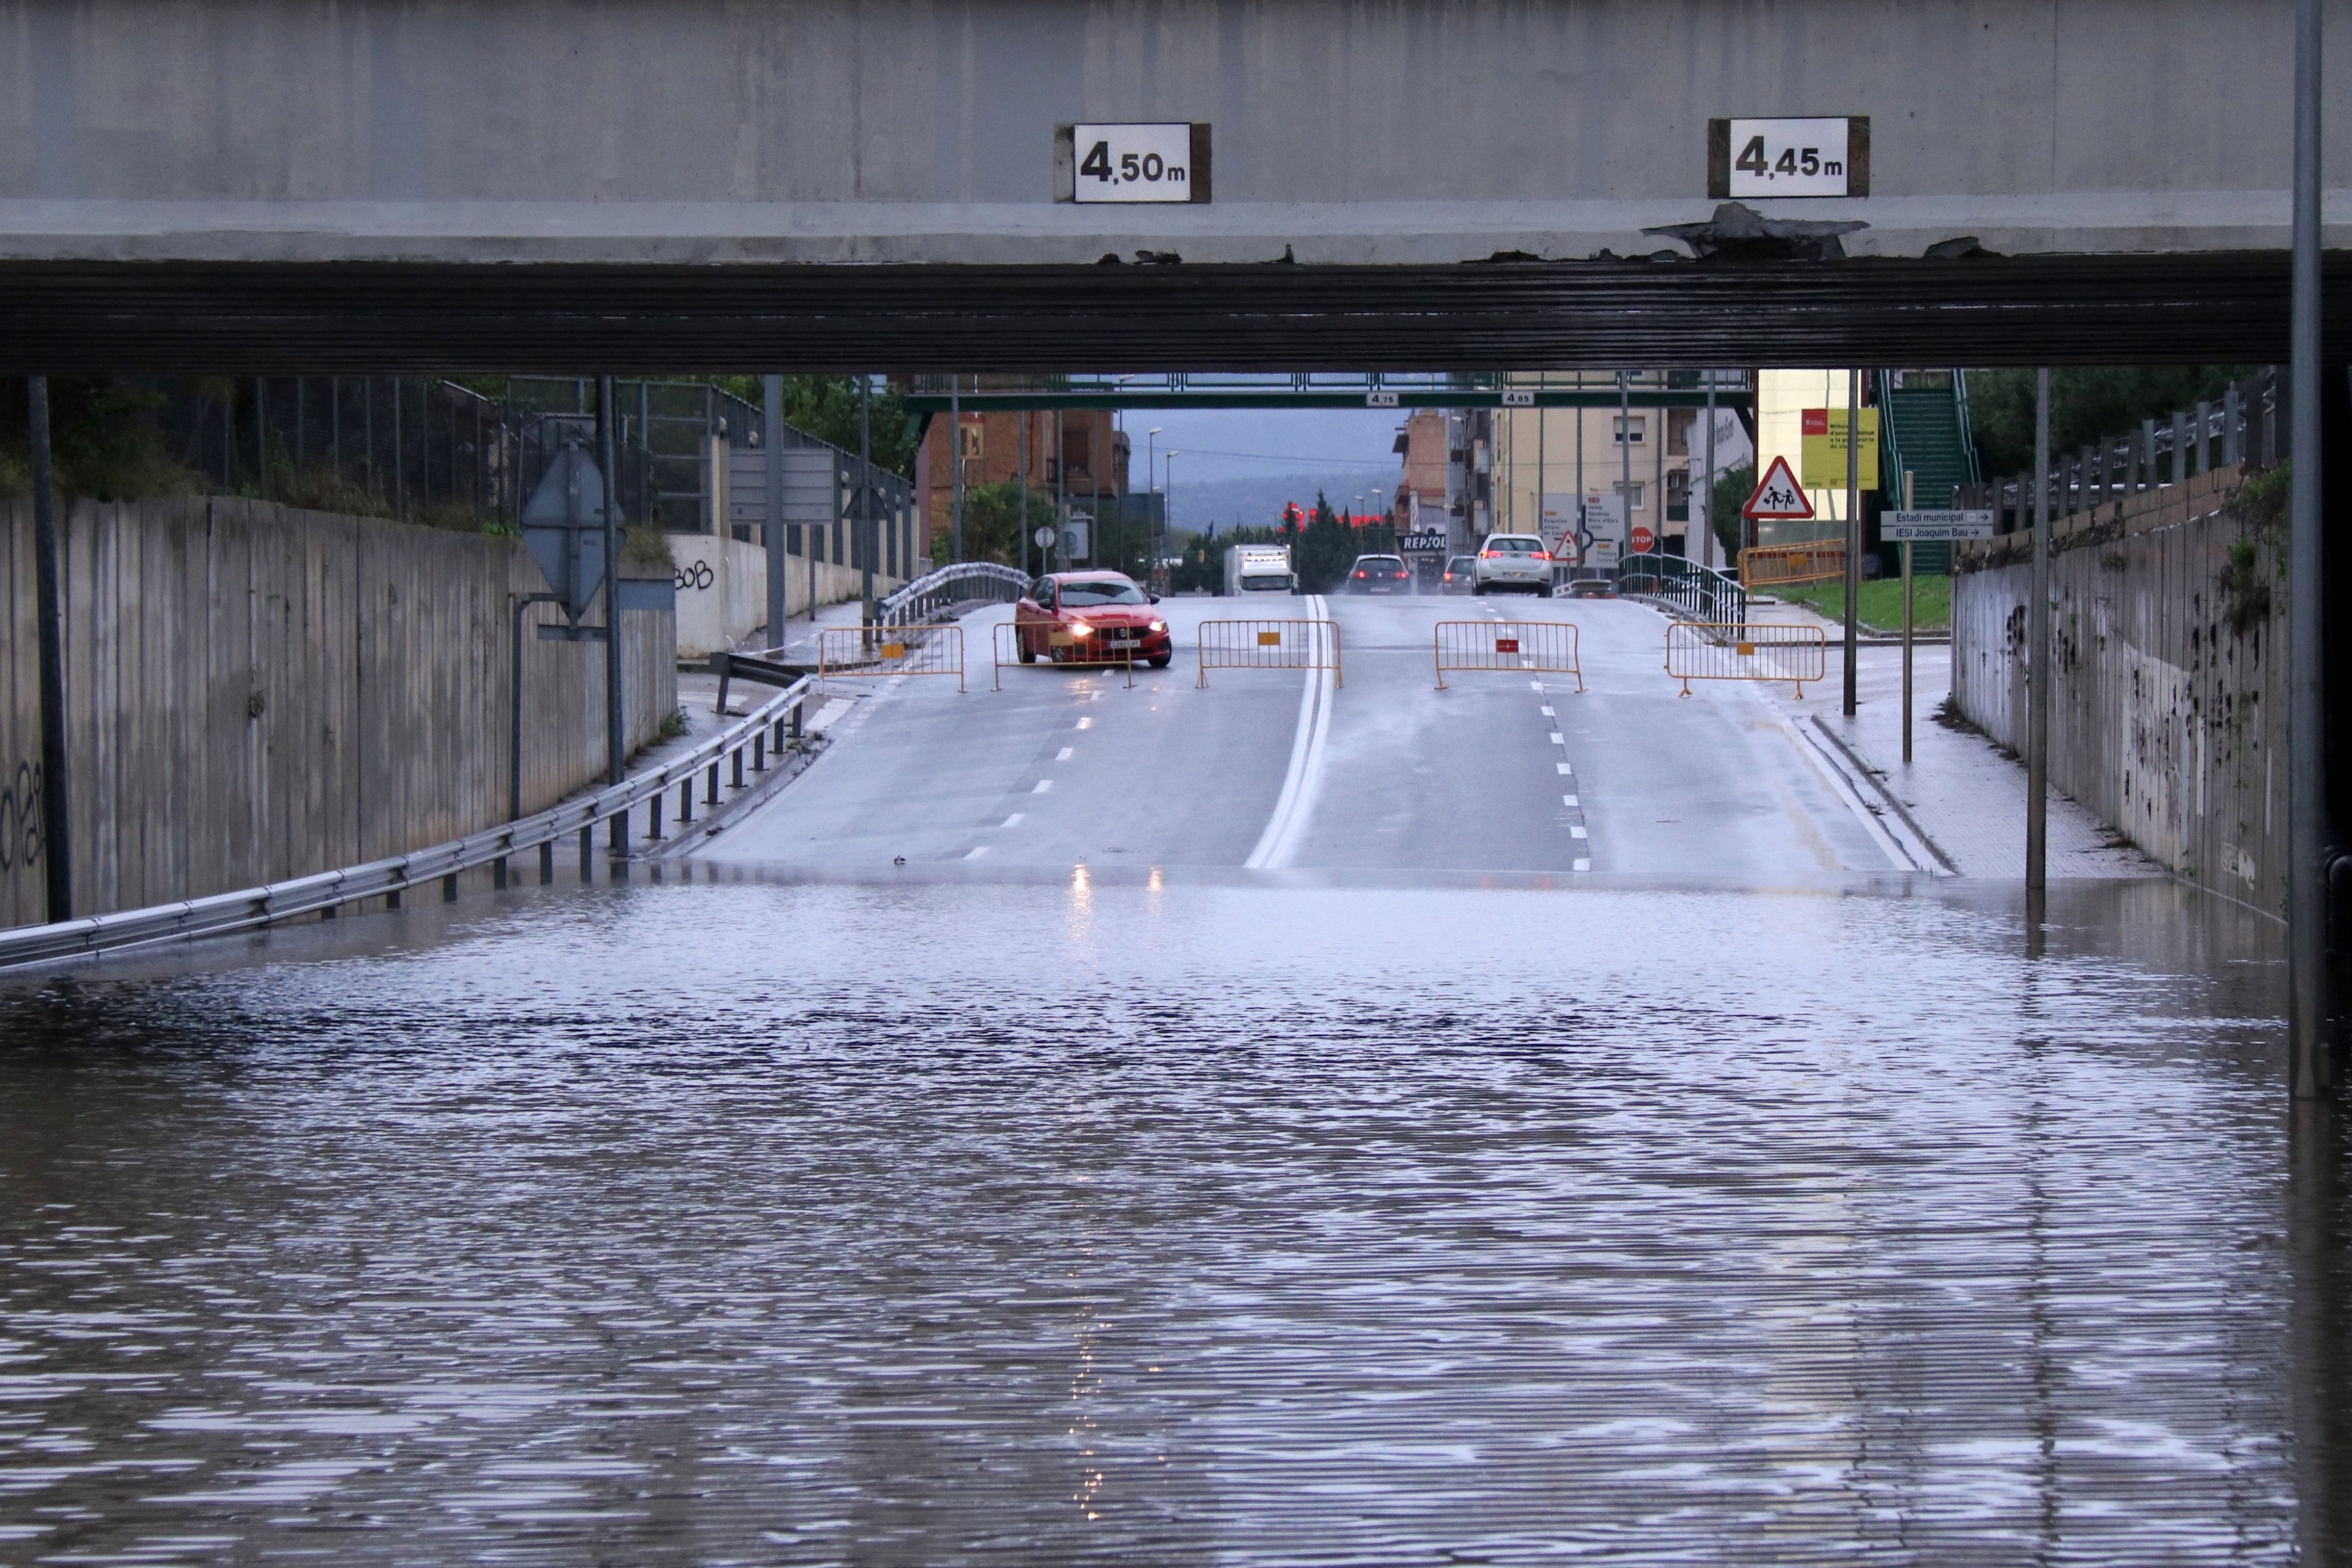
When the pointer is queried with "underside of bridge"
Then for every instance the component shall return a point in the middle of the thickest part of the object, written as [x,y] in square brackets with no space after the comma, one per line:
[216,318]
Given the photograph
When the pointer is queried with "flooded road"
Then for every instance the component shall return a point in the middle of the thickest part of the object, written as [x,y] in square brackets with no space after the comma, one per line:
[1148,1217]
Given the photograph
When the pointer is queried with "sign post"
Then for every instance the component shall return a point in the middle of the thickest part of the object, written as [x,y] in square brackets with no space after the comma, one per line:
[1906,626]
[1907,528]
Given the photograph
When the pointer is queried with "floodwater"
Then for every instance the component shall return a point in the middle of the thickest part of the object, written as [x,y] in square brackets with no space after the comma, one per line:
[1175,1220]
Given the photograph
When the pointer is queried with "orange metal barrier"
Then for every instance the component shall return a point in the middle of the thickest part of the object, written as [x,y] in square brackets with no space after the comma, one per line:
[1744,651]
[1515,646]
[864,651]
[1270,645]
[1769,566]
[1061,651]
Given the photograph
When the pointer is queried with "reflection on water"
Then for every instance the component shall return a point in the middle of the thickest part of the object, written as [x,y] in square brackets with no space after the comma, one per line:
[1092,1220]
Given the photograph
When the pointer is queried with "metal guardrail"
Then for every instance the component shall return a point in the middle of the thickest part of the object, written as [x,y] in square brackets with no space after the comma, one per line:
[327,892]
[1270,645]
[1519,647]
[953,584]
[877,651]
[1756,650]
[1697,592]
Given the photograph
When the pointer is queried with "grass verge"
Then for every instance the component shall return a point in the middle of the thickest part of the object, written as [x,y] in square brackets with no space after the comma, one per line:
[1882,603]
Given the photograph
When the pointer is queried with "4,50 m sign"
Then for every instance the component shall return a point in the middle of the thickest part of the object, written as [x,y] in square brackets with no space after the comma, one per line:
[1159,161]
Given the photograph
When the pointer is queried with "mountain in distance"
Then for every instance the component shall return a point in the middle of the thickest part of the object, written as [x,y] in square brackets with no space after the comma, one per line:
[1258,502]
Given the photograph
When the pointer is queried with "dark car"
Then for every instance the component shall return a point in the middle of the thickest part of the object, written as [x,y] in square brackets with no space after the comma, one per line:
[1379,575]
[1091,617]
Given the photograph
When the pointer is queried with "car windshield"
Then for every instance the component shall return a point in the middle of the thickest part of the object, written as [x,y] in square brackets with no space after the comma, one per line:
[1516,546]
[1119,591]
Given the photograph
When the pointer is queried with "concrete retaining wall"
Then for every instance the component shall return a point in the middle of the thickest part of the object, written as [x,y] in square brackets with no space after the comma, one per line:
[2166,719]
[722,590]
[256,692]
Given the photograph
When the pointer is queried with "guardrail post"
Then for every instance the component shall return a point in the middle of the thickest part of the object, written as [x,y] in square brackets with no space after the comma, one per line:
[546,862]
[498,874]
[392,900]
[736,756]
[449,889]
[653,817]
[712,797]
[686,802]
[760,752]
[587,851]
[798,705]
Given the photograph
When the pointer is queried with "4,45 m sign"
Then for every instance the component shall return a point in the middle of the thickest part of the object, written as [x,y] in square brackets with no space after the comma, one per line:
[1161,161]
[1826,156]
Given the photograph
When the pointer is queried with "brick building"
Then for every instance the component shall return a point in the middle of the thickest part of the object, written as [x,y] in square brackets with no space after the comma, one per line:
[1092,456]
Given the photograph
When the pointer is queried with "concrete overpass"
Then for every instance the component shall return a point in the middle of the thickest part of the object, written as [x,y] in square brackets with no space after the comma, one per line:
[310,183]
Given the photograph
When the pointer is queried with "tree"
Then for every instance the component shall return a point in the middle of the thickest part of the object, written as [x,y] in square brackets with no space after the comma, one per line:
[1732,489]
[1324,550]
[993,527]
[2086,403]
[826,407]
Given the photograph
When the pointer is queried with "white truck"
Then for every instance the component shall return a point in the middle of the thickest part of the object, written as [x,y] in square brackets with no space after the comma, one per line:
[1259,569]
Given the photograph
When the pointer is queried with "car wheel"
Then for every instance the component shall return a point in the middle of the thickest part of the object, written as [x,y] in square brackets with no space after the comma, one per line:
[1477,590]
[1159,660]
[1028,654]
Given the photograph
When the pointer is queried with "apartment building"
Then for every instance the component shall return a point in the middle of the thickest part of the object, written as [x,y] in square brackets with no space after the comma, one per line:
[1076,453]
[1654,458]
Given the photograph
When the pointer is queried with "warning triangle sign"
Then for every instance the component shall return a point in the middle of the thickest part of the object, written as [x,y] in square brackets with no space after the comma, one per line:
[1779,496]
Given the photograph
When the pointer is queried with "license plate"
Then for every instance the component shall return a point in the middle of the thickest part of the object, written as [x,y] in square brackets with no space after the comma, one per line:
[1117,640]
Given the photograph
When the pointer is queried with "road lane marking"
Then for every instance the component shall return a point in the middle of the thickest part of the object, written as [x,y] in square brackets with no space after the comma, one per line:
[1547,713]
[1562,767]
[1564,800]
[1581,866]
[1534,686]
[1063,755]
[1015,820]
[1042,785]
[977,853]
[1557,739]
[1578,831]
[1085,723]
[1304,779]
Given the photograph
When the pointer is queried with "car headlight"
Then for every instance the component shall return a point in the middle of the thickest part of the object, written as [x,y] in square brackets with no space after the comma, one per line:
[1160,626]
[1080,629]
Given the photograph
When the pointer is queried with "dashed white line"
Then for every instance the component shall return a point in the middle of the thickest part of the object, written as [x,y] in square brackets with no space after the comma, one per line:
[1547,713]
[1558,738]
[977,853]
[1577,832]
[1063,755]
[1015,820]
[1564,800]
[1085,723]
[1562,767]
[1534,686]
[1581,866]
[1042,785]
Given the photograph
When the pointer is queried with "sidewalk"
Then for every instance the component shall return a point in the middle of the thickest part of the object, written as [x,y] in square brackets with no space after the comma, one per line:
[1958,792]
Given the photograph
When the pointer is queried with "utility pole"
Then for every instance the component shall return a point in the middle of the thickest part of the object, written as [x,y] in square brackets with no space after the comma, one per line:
[616,744]
[1707,544]
[955,467]
[2038,670]
[1907,494]
[771,454]
[56,844]
[2311,1072]
[1024,527]
[1853,534]
[866,541]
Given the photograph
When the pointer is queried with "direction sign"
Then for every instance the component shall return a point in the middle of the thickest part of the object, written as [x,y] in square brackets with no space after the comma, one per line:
[1933,527]
[1779,496]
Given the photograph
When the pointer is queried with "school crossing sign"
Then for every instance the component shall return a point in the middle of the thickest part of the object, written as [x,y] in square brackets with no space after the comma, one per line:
[1779,497]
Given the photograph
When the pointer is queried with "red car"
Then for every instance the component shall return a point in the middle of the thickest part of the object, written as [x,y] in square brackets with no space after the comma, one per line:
[1091,617]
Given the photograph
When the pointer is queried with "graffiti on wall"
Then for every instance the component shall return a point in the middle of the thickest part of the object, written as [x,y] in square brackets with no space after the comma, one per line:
[20,817]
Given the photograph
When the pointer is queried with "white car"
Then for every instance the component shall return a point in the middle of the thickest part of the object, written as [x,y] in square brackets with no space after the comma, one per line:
[1517,560]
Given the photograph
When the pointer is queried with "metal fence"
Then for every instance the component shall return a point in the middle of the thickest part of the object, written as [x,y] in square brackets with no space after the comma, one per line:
[1753,650]
[1518,647]
[960,583]
[1013,646]
[1695,593]
[2245,427]
[1270,645]
[877,651]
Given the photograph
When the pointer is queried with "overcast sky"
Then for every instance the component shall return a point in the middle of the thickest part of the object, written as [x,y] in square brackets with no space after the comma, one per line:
[1255,443]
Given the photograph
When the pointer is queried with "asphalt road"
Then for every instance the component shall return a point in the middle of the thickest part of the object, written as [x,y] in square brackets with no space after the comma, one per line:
[1371,769]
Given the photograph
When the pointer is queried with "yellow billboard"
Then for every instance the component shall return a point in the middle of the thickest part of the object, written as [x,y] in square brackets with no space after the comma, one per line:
[1824,454]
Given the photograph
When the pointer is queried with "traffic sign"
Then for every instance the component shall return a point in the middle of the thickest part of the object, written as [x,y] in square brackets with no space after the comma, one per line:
[1933,527]
[1779,497]
[1643,540]
[1824,445]
[1165,162]
[1045,537]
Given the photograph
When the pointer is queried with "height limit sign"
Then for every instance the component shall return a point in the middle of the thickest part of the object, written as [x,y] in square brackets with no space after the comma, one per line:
[1157,161]
[1820,156]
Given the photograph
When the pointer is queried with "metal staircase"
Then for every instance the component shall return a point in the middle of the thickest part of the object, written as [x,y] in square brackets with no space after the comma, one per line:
[1925,430]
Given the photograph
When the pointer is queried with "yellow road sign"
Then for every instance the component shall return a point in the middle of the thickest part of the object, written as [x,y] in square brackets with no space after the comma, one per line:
[1823,456]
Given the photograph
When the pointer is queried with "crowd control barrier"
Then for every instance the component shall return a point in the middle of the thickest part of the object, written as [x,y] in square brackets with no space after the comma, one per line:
[1749,650]
[1061,651]
[1773,566]
[1518,647]
[875,651]
[1270,645]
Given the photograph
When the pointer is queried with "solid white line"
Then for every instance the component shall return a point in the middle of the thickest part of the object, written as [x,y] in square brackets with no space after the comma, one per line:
[1304,779]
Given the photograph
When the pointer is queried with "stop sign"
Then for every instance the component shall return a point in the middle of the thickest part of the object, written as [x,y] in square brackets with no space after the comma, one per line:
[1643,540]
